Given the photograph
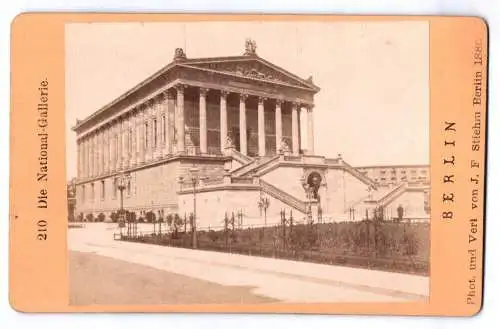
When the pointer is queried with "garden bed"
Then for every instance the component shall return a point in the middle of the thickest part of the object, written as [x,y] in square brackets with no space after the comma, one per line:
[384,246]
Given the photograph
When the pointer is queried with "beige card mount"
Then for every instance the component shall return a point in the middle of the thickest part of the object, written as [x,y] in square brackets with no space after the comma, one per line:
[247,163]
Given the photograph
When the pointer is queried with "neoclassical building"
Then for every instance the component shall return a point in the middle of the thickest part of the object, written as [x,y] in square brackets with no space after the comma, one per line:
[237,121]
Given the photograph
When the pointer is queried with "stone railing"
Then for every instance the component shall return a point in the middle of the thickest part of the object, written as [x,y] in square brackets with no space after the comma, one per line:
[394,193]
[283,196]
[242,180]
[241,157]
[238,171]
[350,169]
[260,166]
[332,161]
[195,150]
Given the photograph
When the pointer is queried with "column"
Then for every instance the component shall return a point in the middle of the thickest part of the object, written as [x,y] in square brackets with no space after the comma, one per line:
[295,129]
[243,124]
[99,153]
[150,146]
[118,149]
[164,124]
[223,119]
[112,148]
[310,130]
[103,150]
[261,127]
[94,154]
[154,133]
[133,139]
[203,121]
[279,126]
[86,157]
[159,127]
[79,158]
[170,117]
[90,154]
[141,149]
[180,119]
[125,144]
[106,149]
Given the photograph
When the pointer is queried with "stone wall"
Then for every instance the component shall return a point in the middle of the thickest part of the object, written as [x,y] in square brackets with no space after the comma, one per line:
[151,188]
[412,203]
[211,207]
[342,190]
[287,179]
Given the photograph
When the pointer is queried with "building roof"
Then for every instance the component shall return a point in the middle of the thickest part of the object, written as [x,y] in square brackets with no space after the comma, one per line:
[239,66]
[393,166]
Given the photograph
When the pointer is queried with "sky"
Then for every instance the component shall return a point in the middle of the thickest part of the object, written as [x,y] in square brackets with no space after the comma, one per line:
[373,107]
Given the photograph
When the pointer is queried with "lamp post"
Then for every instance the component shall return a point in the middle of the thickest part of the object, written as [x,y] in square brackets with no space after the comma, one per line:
[263,205]
[153,217]
[122,180]
[195,179]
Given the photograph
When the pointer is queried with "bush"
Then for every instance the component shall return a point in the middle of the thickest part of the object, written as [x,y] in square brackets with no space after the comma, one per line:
[89,217]
[101,217]
[114,217]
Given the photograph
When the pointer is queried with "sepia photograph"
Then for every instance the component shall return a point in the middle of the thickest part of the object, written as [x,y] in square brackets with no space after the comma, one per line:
[243,162]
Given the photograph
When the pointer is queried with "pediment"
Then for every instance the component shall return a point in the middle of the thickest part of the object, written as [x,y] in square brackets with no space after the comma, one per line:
[255,68]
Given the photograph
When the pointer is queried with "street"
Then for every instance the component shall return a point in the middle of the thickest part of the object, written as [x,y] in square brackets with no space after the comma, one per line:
[105,271]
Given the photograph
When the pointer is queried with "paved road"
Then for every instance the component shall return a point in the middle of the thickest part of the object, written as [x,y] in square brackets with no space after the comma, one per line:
[100,280]
[268,279]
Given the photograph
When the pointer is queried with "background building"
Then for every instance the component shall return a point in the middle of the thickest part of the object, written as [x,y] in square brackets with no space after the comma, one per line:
[397,174]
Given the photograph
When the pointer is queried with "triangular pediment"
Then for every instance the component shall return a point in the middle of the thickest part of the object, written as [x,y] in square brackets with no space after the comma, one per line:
[252,67]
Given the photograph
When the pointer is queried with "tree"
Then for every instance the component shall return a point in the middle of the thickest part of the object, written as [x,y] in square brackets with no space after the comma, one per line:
[150,217]
[170,221]
[177,222]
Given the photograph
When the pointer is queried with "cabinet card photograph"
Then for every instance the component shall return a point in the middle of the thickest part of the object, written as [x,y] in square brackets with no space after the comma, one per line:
[250,163]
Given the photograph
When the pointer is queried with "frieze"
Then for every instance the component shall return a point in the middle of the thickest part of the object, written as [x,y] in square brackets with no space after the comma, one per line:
[252,69]
[280,91]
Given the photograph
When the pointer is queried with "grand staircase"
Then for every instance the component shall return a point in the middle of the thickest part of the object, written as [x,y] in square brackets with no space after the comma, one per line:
[241,158]
[283,196]
[257,165]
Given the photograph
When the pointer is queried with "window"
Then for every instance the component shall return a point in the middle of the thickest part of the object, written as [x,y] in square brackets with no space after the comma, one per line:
[403,172]
[393,178]
[146,133]
[92,192]
[155,133]
[128,188]
[103,190]
[382,179]
[423,171]
[413,171]
[382,172]
[115,188]
[83,193]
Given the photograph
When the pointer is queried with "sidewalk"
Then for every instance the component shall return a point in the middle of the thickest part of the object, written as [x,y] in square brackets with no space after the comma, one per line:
[286,280]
